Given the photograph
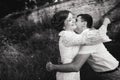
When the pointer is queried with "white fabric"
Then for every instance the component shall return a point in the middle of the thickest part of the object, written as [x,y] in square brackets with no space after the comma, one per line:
[88,36]
[81,39]
[69,45]
[100,59]
[103,31]
[67,54]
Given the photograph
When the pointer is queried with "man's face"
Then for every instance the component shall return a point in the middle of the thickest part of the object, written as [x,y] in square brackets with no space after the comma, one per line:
[81,24]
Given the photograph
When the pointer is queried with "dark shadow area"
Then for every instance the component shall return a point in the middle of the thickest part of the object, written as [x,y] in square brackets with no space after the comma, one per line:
[10,6]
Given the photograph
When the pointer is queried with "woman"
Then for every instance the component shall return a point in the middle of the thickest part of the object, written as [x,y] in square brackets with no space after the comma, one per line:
[64,20]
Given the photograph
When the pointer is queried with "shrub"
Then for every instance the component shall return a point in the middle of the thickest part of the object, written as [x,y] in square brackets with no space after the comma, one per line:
[25,48]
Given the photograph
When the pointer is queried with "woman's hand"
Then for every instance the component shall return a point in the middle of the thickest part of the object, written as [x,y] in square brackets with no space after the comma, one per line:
[49,66]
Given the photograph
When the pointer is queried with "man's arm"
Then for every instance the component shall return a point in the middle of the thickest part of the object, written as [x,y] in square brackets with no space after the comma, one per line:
[74,66]
[85,38]
[89,38]
[103,30]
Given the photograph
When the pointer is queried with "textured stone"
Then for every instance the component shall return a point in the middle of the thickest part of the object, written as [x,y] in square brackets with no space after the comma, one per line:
[96,8]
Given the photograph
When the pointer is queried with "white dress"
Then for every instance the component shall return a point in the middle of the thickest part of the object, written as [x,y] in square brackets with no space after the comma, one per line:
[67,54]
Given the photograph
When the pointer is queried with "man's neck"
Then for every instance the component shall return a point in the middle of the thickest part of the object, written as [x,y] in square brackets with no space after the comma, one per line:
[92,28]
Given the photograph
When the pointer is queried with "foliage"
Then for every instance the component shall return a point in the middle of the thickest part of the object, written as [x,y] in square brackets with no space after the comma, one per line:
[114,31]
[25,48]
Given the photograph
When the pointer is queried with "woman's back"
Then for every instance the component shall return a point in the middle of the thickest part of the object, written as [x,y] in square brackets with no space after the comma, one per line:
[67,54]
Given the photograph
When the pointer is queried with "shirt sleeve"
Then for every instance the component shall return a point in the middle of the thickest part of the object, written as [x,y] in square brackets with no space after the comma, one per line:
[72,39]
[103,31]
[86,38]
[87,50]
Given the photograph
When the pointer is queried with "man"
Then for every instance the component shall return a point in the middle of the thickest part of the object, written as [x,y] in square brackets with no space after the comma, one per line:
[101,61]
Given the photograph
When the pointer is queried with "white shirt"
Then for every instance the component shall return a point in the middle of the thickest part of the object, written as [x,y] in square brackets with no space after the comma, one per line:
[100,59]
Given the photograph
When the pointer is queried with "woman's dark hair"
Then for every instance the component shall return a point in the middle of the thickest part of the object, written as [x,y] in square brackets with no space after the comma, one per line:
[58,19]
[88,18]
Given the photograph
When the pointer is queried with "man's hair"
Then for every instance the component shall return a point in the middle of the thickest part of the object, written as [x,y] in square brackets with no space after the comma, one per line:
[88,18]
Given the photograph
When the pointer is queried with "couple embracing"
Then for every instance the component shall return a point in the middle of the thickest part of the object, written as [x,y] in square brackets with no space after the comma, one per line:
[80,42]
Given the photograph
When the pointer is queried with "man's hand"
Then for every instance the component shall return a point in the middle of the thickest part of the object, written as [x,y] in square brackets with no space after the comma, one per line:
[106,21]
[49,66]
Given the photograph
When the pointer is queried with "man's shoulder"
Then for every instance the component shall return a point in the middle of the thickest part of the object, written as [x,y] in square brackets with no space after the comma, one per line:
[91,31]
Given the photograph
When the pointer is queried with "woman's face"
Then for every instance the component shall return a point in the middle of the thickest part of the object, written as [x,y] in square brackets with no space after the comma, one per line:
[70,22]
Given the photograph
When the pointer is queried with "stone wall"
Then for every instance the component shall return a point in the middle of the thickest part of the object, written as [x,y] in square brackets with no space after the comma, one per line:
[92,7]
